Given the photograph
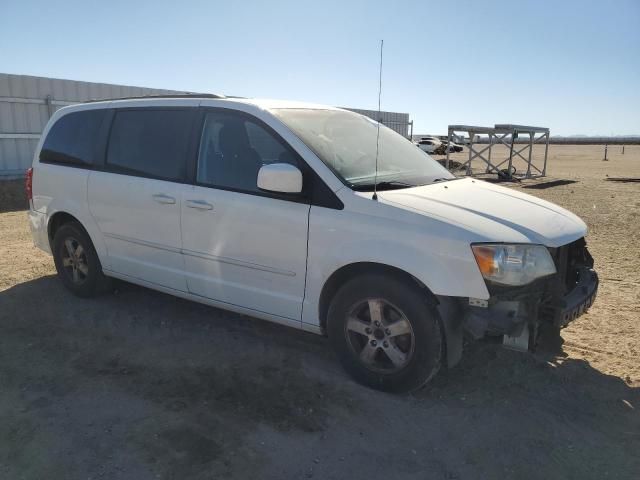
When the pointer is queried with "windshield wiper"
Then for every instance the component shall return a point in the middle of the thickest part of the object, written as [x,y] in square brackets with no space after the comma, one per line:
[386,185]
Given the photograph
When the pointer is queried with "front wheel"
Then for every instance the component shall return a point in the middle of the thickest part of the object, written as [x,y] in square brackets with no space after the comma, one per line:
[385,333]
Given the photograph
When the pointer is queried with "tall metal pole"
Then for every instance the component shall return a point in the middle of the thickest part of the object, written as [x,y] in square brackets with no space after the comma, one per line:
[48,101]
[375,181]
[513,134]
[531,134]
[447,162]
[546,151]
[488,170]
[471,150]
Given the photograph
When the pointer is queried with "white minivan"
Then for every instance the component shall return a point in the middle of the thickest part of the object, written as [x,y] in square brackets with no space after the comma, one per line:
[306,215]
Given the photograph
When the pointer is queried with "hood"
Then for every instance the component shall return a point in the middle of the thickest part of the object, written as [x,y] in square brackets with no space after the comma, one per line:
[491,213]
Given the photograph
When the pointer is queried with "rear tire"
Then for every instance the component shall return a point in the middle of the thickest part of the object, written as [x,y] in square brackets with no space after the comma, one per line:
[386,334]
[77,262]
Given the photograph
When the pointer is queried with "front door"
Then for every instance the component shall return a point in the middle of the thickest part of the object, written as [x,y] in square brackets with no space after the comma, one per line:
[243,246]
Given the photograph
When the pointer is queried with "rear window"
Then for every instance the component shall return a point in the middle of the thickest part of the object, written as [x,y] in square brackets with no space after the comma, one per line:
[150,143]
[72,139]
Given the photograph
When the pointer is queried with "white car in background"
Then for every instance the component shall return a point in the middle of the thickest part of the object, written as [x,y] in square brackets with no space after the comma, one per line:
[309,216]
[428,144]
[453,147]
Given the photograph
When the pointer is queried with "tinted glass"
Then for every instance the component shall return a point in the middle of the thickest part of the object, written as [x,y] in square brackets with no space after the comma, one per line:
[72,139]
[232,150]
[151,143]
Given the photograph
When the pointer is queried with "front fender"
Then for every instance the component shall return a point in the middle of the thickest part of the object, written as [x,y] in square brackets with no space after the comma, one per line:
[440,257]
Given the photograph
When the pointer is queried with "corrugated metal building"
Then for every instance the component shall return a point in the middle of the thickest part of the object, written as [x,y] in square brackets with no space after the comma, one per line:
[396,121]
[27,102]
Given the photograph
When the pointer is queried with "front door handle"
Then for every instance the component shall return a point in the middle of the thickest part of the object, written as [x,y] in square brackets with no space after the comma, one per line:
[165,199]
[199,204]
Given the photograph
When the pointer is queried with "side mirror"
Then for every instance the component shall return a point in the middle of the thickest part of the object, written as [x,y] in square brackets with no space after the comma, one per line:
[280,177]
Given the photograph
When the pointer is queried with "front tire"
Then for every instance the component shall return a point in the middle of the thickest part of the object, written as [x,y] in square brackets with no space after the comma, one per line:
[77,262]
[385,333]
[548,339]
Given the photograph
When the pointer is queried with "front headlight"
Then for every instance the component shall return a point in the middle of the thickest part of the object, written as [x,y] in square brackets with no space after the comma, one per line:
[513,264]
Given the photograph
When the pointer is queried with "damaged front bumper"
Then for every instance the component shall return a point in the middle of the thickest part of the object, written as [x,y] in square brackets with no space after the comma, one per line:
[578,301]
[518,313]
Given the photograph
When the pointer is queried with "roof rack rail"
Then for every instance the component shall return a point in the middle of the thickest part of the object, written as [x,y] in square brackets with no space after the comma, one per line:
[167,95]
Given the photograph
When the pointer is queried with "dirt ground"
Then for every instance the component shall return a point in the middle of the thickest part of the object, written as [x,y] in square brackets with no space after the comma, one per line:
[140,385]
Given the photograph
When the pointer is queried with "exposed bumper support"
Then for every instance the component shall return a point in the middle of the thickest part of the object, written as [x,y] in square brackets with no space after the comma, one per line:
[579,299]
[510,315]
[519,314]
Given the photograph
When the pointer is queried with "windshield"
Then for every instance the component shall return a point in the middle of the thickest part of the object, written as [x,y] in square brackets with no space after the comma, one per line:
[346,143]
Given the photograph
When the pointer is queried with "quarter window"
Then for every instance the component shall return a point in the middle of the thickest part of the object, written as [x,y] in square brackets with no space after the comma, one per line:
[152,143]
[72,139]
[232,150]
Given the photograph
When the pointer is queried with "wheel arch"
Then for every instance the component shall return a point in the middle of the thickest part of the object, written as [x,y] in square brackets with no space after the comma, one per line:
[349,271]
[448,308]
[57,220]
[64,212]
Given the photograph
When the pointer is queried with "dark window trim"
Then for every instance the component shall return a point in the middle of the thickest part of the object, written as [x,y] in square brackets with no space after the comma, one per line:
[82,166]
[106,167]
[314,191]
[103,140]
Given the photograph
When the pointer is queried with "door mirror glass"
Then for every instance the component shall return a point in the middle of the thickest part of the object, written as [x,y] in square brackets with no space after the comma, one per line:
[280,177]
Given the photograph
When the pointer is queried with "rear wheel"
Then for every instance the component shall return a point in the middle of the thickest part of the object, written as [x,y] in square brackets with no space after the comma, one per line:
[386,334]
[76,261]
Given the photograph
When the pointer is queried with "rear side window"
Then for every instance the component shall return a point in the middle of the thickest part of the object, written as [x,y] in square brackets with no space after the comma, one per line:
[72,139]
[150,143]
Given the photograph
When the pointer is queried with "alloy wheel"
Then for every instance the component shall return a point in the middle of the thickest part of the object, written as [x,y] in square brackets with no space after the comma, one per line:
[74,261]
[380,335]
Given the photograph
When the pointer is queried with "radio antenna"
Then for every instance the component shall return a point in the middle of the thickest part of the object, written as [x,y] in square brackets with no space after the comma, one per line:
[375,179]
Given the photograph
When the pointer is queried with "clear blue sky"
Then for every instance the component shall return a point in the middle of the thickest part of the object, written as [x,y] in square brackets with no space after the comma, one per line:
[571,65]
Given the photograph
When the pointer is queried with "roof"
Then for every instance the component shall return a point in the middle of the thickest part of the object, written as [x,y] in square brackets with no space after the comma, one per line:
[197,99]
[267,104]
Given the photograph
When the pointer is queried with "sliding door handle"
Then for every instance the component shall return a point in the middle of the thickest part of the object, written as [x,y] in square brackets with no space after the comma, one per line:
[199,204]
[162,198]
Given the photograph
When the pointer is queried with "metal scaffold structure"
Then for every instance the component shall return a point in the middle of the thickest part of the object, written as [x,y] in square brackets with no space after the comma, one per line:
[502,134]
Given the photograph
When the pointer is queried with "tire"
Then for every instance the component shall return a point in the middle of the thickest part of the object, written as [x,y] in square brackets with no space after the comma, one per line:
[413,329]
[548,339]
[77,262]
